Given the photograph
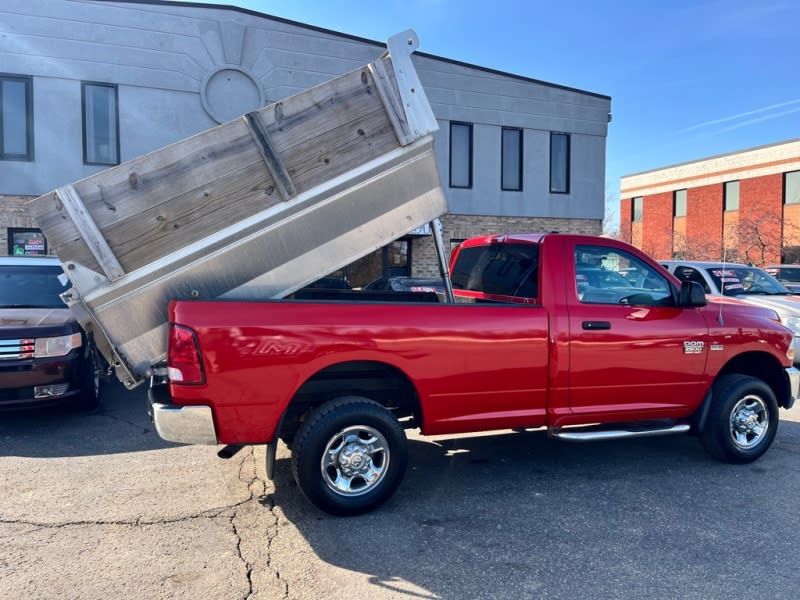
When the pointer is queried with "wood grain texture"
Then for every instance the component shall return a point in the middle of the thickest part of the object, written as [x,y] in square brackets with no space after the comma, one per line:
[156,204]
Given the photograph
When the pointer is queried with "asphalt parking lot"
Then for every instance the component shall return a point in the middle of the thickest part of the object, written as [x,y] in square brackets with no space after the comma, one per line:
[97,506]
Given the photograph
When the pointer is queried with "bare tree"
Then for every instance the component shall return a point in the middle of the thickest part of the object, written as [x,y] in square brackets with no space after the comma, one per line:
[694,248]
[760,238]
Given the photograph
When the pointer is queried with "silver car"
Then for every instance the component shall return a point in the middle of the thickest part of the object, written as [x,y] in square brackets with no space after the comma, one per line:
[745,283]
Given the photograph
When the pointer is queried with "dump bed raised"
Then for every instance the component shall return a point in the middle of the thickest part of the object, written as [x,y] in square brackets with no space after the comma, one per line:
[255,208]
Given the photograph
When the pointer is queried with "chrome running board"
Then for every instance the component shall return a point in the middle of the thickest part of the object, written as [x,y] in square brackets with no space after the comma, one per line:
[595,435]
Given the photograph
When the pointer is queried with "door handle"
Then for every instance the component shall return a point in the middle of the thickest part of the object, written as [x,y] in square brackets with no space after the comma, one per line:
[592,325]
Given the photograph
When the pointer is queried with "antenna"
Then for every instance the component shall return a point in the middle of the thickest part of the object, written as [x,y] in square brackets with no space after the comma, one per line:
[722,278]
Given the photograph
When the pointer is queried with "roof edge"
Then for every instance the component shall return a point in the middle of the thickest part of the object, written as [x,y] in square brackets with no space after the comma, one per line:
[699,160]
[255,13]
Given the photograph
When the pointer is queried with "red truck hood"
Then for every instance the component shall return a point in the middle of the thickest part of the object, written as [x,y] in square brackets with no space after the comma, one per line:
[14,318]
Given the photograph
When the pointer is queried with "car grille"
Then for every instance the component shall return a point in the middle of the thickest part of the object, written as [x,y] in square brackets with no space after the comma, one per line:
[17,349]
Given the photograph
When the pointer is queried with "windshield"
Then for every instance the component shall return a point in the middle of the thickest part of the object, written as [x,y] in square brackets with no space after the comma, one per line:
[31,286]
[739,281]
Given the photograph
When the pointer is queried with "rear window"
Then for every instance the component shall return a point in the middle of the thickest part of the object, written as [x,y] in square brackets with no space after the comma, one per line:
[31,286]
[503,269]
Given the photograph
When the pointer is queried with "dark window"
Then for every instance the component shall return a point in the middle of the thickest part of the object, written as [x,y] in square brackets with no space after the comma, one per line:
[731,195]
[791,187]
[503,269]
[637,209]
[691,274]
[31,286]
[100,124]
[511,159]
[16,118]
[559,163]
[679,203]
[26,242]
[460,155]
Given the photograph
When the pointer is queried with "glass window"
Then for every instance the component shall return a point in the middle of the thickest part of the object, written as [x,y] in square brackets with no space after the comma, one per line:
[461,155]
[679,203]
[503,269]
[26,242]
[511,158]
[791,188]
[32,286]
[100,124]
[637,208]
[608,276]
[559,163]
[16,118]
[731,195]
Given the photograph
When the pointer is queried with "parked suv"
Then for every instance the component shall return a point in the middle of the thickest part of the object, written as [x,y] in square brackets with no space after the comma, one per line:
[746,283]
[45,357]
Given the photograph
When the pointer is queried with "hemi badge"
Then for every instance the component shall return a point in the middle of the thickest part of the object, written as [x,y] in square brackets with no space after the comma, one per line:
[693,347]
[717,347]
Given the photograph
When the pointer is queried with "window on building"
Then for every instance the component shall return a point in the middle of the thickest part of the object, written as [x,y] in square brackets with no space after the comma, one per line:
[637,209]
[511,159]
[460,155]
[559,163]
[731,195]
[26,242]
[100,124]
[791,187]
[16,118]
[679,203]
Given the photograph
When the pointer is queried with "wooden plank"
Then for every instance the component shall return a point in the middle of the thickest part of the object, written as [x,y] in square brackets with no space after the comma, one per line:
[338,151]
[122,192]
[301,119]
[271,157]
[161,202]
[91,235]
[166,228]
[390,95]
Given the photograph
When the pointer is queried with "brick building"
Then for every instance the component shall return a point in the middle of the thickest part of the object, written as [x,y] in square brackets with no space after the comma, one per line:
[743,206]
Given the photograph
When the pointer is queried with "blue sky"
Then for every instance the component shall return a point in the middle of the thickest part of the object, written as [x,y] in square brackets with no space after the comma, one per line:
[688,79]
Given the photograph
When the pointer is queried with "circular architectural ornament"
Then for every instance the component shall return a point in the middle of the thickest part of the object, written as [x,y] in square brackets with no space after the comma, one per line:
[229,92]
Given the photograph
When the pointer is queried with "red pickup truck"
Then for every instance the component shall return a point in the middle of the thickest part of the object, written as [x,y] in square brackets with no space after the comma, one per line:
[584,336]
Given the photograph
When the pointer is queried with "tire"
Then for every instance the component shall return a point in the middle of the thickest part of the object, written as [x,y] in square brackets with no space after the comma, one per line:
[349,456]
[88,399]
[742,421]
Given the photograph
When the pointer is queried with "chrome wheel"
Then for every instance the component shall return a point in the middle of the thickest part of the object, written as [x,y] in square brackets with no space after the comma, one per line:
[355,460]
[749,422]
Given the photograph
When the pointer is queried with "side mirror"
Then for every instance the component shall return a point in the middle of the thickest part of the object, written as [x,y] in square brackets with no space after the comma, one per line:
[692,294]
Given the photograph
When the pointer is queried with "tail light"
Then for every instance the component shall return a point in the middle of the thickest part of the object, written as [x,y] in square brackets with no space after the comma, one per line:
[183,357]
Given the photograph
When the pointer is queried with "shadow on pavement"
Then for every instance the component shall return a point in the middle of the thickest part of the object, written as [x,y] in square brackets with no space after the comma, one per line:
[512,515]
[121,424]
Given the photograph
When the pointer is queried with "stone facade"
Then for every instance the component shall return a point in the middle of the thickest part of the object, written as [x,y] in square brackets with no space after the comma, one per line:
[456,228]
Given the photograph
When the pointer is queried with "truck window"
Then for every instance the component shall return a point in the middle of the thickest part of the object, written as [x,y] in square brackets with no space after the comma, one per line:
[610,276]
[503,269]
[691,274]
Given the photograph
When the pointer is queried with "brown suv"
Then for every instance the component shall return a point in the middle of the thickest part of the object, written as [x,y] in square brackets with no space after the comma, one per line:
[45,357]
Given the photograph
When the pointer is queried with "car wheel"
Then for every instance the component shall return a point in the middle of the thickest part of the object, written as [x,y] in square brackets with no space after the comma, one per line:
[349,456]
[88,398]
[742,421]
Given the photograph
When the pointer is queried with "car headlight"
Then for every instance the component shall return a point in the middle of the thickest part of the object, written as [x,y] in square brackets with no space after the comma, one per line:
[56,346]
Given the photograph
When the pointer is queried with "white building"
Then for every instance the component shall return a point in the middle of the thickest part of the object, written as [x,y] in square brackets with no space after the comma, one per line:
[86,84]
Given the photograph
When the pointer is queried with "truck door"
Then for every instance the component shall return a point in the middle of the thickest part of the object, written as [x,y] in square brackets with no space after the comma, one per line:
[632,351]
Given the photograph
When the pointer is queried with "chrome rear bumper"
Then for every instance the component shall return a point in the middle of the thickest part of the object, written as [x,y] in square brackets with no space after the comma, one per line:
[181,424]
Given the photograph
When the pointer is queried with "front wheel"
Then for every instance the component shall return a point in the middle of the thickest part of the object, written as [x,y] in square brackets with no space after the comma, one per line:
[743,419]
[349,456]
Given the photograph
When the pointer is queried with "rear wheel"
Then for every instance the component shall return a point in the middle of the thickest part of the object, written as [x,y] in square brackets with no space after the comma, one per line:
[743,419]
[349,456]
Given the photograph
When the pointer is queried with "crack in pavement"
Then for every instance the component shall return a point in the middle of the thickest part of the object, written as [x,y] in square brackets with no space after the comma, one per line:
[240,521]
[257,488]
